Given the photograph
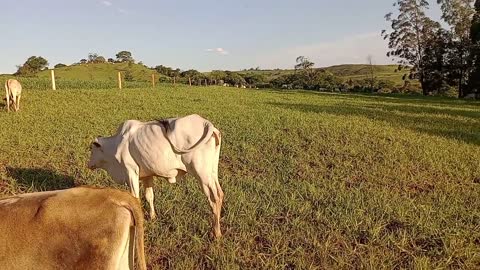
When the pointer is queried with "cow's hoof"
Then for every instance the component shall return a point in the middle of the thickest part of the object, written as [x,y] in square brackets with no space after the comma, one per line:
[218,235]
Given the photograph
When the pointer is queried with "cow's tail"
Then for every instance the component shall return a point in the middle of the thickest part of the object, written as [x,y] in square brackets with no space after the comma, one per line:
[207,134]
[135,209]
[218,144]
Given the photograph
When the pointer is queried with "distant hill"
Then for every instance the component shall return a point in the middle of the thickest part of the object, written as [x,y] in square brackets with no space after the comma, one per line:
[350,71]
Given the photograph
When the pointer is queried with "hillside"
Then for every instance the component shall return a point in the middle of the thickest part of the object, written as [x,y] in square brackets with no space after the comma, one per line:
[349,71]
[101,72]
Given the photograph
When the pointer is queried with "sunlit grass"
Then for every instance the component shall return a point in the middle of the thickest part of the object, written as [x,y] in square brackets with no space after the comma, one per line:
[311,180]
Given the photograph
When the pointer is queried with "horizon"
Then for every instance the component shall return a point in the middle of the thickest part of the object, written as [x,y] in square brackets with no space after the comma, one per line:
[191,35]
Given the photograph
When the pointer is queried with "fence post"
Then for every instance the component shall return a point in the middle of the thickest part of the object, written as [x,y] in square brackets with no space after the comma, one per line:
[190,81]
[119,80]
[52,73]
[153,80]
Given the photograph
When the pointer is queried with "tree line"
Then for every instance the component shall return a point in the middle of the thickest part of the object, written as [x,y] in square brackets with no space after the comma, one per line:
[440,58]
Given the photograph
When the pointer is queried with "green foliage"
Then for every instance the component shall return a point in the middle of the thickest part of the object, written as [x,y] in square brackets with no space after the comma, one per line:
[94,58]
[311,181]
[124,56]
[218,75]
[33,65]
[412,31]
[128,76]
[255,79]
[474,83]
[303,63]
[60,65]
[234,78]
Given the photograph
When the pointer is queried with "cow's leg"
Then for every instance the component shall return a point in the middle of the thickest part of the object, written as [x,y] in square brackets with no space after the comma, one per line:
[133,182]
[209,187]
[214,167]
[8,102]
[211,192]
[17,105]
[148,183]
[14,103]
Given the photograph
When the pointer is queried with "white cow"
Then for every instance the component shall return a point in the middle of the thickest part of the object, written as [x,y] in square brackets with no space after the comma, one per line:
[78,228]
[168,148]
[13,91]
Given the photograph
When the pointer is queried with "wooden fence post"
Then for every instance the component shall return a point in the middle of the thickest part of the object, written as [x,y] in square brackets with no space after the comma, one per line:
[119,80]
[190,81]
[153,80]
[52,73]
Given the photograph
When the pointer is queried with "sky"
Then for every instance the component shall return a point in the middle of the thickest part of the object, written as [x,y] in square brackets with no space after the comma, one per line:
[203,35]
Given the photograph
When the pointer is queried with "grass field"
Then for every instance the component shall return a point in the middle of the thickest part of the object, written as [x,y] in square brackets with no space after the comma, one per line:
[312,181]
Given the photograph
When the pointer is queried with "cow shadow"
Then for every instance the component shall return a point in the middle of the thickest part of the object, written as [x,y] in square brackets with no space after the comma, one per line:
[40,179]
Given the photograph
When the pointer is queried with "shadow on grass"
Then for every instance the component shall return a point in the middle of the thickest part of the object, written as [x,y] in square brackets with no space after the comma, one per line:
[40,179]
[390,98]
[444,122]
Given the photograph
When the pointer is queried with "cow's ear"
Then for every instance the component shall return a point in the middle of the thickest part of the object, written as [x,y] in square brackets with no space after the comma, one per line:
[96,143]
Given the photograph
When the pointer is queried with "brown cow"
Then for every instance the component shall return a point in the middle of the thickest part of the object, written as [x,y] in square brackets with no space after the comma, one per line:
[13,91]
[78,228]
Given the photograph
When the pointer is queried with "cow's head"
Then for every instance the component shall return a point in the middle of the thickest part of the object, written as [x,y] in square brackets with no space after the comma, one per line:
[97,157]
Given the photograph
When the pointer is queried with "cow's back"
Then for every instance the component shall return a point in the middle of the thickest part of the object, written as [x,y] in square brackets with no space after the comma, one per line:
[80,228]
[14,87]
[152,151]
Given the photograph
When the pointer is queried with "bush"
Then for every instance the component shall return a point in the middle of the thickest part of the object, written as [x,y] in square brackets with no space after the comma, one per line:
[60,65]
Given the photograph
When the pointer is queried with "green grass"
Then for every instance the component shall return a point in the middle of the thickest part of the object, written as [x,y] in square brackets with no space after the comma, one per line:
[312,181]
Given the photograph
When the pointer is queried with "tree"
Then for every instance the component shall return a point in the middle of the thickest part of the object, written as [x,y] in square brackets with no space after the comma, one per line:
[458,14]
[234,78]
[101,59]
[95,58]
[218,75]
[175,73]
[411,32]
[254,79]
[60,65]
[111,60]
[306,67]
[83,61]
[33,65]
[303,63]
[192,75]
[124,56]
[164,70]
[439,60]
[371,72]
[474,82]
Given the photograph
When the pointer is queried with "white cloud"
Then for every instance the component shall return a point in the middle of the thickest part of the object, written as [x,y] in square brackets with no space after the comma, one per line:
[220,51]
[123,11]
[107,3]
[348,50]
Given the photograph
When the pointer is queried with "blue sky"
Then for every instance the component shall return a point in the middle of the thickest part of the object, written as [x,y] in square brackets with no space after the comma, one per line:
[204,35]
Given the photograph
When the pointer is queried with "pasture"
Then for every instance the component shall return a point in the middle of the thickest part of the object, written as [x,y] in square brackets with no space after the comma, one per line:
[311,181]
